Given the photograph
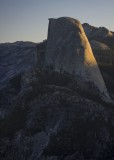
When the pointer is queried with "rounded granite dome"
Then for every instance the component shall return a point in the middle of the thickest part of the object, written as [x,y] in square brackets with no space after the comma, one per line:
[68,50]
[69,19]
[66,23]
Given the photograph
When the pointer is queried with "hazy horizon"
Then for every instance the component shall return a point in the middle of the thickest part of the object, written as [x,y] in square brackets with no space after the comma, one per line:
[27,20]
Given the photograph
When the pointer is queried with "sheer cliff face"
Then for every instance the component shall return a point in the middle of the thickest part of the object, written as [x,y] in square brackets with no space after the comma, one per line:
[68,49]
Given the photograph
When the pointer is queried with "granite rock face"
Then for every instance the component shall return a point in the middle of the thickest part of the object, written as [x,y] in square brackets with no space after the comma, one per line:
[68,50]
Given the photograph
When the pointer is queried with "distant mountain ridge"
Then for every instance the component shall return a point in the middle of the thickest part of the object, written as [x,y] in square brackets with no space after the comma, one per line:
[15,58]
[92,31]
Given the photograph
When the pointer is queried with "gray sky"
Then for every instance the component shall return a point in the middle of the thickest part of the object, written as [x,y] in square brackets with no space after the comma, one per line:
[27,20]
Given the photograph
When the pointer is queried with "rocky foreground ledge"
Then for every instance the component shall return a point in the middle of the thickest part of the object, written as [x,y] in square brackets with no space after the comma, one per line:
[50,118]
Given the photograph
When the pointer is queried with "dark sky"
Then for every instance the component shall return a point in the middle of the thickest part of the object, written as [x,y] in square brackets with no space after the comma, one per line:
[27,20]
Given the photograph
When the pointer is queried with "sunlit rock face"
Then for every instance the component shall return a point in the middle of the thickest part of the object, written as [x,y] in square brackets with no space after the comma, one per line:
[68,50]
